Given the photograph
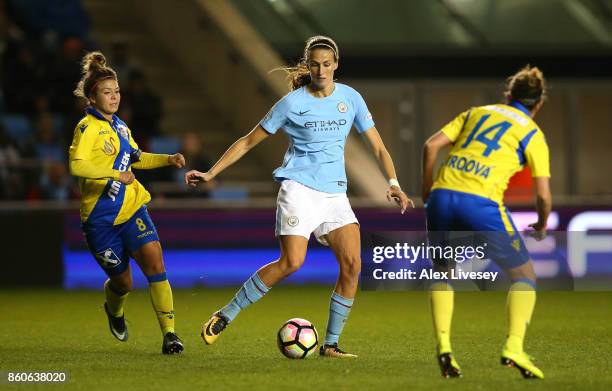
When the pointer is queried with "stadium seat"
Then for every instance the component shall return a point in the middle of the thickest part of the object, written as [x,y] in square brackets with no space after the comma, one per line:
[168,145]
[17,127]
[58,123]
[229,193]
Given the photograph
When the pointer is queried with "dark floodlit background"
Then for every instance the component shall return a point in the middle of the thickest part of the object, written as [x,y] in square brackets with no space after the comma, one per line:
[195,76]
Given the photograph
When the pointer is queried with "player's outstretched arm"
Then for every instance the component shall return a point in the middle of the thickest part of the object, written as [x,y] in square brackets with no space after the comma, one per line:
[385,163]
[86,169]
[234,153]
[430,152]
[149,161]
[543,206]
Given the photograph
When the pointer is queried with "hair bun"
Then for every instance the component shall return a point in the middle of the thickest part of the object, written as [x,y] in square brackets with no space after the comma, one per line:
[93,70]
[93,61]
[527,86]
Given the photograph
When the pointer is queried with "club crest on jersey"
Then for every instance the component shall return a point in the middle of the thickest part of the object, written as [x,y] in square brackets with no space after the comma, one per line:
[108,259]
[342,107]
[109,147]
[123,131]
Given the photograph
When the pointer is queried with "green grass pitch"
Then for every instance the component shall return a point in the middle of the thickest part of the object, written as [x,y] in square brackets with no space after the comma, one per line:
[42,330]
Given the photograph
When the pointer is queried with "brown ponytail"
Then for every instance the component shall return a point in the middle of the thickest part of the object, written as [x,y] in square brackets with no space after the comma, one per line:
[299,75]
[527,86]
[94,70]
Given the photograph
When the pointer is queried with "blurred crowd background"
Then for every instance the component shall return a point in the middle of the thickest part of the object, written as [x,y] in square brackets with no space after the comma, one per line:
[195,76]
[189,83]
[41,45]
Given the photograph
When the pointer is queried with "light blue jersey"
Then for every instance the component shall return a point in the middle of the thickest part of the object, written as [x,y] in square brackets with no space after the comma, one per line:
[317,129]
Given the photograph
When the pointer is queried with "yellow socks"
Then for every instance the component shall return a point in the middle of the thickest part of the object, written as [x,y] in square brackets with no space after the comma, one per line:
[161,298]
[442,299]
[521,301]
[114,299]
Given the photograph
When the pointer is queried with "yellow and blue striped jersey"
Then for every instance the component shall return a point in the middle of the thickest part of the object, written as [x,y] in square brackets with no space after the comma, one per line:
[109,145]
[490,144]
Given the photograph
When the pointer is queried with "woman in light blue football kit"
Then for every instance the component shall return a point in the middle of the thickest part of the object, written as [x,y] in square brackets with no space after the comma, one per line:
[317,116]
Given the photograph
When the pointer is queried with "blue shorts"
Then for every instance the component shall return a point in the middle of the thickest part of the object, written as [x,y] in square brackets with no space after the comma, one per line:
[449,210]
[111,245]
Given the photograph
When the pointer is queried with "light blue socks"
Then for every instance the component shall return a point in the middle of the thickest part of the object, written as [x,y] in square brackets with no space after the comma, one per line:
[252,290]
[339,309]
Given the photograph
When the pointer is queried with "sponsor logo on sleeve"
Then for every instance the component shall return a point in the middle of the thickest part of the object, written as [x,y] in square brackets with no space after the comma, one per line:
[268,116]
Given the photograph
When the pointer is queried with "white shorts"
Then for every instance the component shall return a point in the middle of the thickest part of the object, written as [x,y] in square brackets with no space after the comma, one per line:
[301,210]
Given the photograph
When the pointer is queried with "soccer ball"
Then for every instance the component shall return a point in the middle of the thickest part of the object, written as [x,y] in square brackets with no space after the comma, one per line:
[297,338]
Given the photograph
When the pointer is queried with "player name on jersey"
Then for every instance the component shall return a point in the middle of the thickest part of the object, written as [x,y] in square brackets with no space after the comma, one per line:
[469,166]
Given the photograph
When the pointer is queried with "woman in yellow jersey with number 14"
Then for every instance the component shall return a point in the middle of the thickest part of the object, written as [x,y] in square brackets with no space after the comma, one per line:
[489,144]
[114,216]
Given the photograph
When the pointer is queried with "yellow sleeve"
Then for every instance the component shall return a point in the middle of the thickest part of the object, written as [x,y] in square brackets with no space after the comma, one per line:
[80,154]
[147,160]
[82,141]
[151,160]
[537,156]
[86,169]
[452,130]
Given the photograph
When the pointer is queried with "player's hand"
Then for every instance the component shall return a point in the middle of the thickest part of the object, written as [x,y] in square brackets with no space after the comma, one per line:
[396,194]
[539,231]
[126,177]
[177,160]
[195,177]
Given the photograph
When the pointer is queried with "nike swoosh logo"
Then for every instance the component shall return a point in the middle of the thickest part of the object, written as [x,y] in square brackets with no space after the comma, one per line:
[304,112]
[82,128]
[118,334]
